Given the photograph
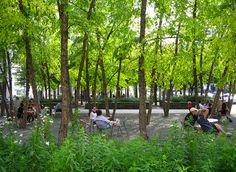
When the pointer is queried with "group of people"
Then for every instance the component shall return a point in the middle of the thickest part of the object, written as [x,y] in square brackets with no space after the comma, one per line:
[31,111]
[221,108]
[200,116]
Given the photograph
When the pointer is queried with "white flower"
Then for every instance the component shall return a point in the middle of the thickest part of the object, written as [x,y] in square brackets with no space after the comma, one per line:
[51,121]
[47,143]
[15,132]
[21,135]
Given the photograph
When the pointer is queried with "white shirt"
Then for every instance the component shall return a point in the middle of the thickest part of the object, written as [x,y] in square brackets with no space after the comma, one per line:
[103,118]
[93,115]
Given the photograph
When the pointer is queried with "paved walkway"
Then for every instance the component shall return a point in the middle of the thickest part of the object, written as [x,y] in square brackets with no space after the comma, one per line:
[158,124]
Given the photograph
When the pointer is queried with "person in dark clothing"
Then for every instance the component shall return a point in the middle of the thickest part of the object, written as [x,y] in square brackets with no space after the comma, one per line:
[206,126]
[191,118]
[20,111]
[224,111]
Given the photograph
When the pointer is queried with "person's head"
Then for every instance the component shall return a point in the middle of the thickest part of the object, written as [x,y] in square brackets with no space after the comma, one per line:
[193,111]
[205,112]
[99,112]
[189,102]
[94,109]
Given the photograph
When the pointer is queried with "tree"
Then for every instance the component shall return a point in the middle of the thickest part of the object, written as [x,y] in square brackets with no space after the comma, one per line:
[142,83]
[65,83]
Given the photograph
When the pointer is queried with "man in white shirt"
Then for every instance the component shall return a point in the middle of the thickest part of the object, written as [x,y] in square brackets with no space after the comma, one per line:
[102,120]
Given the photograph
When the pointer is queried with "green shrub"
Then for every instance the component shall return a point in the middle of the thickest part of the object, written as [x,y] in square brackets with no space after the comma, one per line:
[189,98]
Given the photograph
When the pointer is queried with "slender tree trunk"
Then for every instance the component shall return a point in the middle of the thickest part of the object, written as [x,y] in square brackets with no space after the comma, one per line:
[194,52]
[4,107]
[210,76]
[219,90]
[155,94]
[29,61]
[117,88]
[232,94]
[10,84]
[84,51]
[66,105]
[141,75]
[49,89]
[87,80]
[95,84]
[201,68]
[136,90]
[170,90]
[104,87]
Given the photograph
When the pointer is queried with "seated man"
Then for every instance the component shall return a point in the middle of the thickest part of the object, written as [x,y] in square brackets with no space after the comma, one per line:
[101,121]
[191,118]
[207,126]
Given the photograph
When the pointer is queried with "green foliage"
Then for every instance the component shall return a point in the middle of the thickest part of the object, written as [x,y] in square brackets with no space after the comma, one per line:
[180,151]
[189,98]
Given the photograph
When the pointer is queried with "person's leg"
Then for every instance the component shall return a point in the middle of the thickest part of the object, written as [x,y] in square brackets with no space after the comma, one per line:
[219,128]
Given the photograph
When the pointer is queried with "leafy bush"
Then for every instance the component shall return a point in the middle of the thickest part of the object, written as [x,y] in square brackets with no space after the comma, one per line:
[120,100]
[181,151]
[189,98]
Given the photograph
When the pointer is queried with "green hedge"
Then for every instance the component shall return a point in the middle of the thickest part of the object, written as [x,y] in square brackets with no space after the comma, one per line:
[181,151]
[189,98]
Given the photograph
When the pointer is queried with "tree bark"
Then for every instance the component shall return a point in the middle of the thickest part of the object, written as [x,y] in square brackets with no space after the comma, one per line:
[66,104]
[194,52]
[49,89]
[201,68]
[29,60]
[95,84]
[141,75]
[210,76]
[219,90]
[117,89]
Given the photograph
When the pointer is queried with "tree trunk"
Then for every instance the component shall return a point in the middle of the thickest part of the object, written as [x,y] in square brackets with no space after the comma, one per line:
[210,75]
[151,95]
[201,68]
[219,90]
[155,94]
[195,83]
[10,84]
[49,89]
[87,80]
[117,89]
[141,75]
[66,105]
[29,60]
[4,105]
[95,84]
[104,87]
[170,90]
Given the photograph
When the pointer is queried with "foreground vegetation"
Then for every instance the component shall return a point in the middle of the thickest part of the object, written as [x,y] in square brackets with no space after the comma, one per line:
[181,151]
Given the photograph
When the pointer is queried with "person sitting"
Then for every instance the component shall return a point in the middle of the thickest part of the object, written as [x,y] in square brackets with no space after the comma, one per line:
[206,126]
[191,118]
[20,111]
[101,121]
[93,114]
[189,105]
